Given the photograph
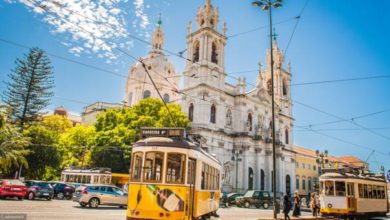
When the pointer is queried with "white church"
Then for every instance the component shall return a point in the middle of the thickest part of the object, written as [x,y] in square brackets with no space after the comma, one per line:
[233,123]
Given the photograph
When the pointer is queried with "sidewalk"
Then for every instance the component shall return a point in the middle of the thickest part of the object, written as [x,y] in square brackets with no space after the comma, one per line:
[281,217]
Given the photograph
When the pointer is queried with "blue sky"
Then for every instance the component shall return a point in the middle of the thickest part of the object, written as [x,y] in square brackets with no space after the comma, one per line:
[333,40]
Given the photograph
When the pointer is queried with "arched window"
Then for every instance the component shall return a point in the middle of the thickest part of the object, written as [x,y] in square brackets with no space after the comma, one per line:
[229,117]
[288,184]
[297,182]
[250,178]
[166,98]
[284,87]
[286,136]
[304,183]
[249,122]
[214,53]
[147,94]
[191,112]
[309,185]
[262,176]
[195,55]
[213,114]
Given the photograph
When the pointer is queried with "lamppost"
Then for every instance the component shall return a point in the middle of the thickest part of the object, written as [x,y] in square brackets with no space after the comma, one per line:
[321,159]
[267,5]
[236,157]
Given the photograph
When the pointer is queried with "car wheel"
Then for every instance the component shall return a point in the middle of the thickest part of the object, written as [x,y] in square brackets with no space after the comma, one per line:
[60,195]
[226,204]
[82,204]
[265,205]
[93,203]
[48,198]
[20,198]
[69,197]
[31,196]
[247,204]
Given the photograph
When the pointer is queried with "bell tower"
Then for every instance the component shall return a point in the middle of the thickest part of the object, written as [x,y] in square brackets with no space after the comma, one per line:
[205,49]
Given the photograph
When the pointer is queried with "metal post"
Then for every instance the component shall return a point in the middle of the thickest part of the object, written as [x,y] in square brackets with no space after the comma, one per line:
[273,113]
[236,172]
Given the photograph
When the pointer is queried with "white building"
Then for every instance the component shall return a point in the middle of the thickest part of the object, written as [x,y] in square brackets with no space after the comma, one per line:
[227,117]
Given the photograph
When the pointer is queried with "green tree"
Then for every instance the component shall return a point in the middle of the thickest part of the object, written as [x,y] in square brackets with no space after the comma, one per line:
[29,88]
[12,149]
[118,129]
[75,145]
[45,157]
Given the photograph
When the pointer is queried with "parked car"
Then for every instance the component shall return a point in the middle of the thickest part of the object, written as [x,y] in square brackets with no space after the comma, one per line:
[62,190]
[95,195]
[255,198]
[12,188]
[39,189]
[230,199]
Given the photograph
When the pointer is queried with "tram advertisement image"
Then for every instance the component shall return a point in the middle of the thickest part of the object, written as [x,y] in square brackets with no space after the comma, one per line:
[172,178]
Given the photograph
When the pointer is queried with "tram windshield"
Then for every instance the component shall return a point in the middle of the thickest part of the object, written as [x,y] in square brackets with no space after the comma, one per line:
[175,168]
[340,188]
[136,166]
[153,166]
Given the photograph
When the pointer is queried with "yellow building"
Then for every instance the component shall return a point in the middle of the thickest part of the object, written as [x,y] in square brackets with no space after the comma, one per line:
[306,170]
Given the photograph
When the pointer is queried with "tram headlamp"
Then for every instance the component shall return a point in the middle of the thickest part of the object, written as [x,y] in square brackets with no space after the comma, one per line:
[330,205]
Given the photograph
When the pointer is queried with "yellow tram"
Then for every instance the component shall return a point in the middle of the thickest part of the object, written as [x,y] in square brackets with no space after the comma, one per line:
[172,178]
[346,194]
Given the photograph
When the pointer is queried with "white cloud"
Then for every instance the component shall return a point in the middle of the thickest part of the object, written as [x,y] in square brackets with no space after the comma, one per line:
[92,26]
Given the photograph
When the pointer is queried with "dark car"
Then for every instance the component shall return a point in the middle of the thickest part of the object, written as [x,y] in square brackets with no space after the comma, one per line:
[12,188]
[230,199]
[255,198]
[39,189]
[62,190]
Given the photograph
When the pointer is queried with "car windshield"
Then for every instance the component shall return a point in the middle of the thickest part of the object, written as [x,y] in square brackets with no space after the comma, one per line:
[230,194]
[249,194]
[42,184]
[14,182]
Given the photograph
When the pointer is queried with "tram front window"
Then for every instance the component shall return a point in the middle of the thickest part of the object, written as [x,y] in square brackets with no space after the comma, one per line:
[153,166]
[329,188]
[136,167]
[340,188]
[175,168]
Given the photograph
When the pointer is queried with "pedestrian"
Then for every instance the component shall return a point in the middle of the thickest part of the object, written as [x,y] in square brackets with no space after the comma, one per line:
[297,205]
[314,204]
[286,206]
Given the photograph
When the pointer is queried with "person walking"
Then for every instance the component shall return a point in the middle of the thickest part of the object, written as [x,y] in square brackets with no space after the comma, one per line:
[314,204]
[297,205]
[286,207]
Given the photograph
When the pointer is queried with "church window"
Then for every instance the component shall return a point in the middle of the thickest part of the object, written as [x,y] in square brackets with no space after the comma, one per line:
[213,114]
[147,94]
[287,136]
[297,183]
[212,22]
[269,87]
[149,67]
[284,87]
[270,129]
[249,122]
[214,54]
[166,98]
[229,118]
[262,179]
[201,22]
[195,55]
[191,112]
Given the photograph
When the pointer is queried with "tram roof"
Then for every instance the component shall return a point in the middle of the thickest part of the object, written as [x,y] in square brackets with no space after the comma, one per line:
[349,176]
[172,142]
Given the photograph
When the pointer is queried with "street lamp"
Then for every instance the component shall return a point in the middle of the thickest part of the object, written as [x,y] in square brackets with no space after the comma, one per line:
[236,157]
[267,5]
[320,159]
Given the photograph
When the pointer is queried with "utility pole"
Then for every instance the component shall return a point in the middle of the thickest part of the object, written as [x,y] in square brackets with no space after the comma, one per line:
[267,5]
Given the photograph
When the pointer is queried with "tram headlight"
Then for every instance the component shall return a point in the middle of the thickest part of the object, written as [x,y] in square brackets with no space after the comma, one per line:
[330,205]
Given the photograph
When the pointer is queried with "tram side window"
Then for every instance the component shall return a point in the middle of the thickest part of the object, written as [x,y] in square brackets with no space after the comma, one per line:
[382,190]
[369,190]
[365,191]
[210,177]
[361,191]
[374,192]
[153,166]
[340,188]
[175,168]
[329,188]
[135,168]
[191,171]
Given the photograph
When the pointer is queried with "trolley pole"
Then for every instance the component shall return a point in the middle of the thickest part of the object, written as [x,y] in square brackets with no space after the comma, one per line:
[267,5]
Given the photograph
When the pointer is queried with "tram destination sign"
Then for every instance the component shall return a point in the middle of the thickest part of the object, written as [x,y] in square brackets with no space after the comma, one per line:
[162,132]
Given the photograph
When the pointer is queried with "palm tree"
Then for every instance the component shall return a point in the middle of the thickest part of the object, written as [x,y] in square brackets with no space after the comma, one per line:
[12,149]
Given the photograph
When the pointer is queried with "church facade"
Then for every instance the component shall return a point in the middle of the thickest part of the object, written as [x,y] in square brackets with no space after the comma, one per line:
[232,122]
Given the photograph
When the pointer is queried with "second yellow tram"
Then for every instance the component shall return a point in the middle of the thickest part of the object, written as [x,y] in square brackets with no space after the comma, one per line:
[172,178]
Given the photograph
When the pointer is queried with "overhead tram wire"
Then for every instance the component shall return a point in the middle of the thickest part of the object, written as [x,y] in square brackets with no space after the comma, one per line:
[340,118]
[77,62]
[342,129]
[351,119]
[341,80]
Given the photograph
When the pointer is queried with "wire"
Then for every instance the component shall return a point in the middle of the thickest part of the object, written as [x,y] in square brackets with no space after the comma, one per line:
[341,80]
[344,129]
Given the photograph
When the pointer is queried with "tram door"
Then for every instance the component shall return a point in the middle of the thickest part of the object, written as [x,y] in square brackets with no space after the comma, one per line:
[351,200]
[191,181]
